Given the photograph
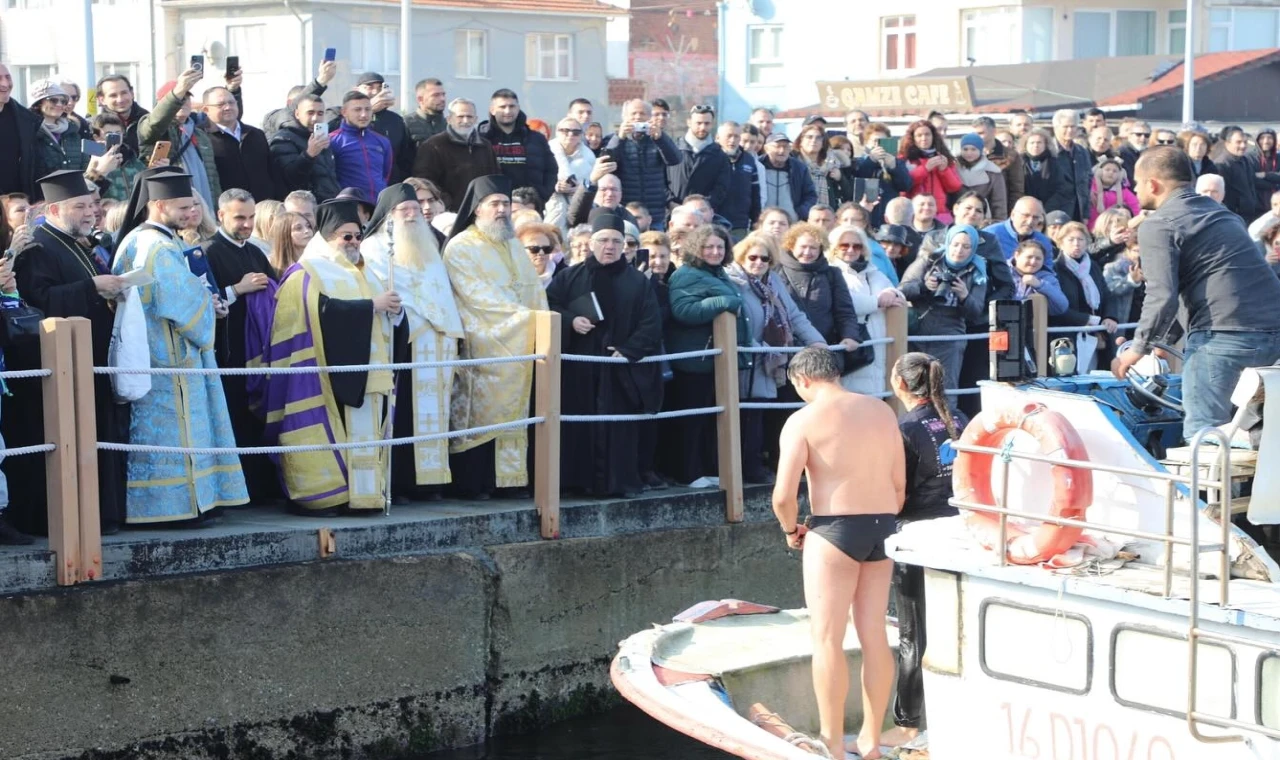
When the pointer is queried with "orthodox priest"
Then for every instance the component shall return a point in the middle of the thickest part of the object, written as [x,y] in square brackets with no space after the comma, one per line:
[242,272]
[602,458]
[179,410]
[399,235]
[63,277]
[332,310]
[497,291]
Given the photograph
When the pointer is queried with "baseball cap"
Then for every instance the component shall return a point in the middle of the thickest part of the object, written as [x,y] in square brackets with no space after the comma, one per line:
[370,77]
[1056,219]
[777,137]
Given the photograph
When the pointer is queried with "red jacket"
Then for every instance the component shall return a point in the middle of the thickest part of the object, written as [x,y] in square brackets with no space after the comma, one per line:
[937,183]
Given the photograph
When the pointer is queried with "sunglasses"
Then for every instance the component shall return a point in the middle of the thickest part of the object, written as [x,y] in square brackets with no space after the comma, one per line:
[849,247]
[754,257]
[347,237]
[1166,142]
[702,109]
[540,250]
[632,244]
[570,131]
[57,101]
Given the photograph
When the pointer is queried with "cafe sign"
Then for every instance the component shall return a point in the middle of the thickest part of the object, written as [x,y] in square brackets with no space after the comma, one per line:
[946,93]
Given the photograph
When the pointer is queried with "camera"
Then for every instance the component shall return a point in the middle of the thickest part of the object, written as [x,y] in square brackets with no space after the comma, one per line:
[641,128]
[946,279]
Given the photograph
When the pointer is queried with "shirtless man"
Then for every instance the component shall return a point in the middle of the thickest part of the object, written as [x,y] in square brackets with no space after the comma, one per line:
[850,448]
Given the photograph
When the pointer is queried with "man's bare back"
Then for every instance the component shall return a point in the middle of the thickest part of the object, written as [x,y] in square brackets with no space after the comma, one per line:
[850,443]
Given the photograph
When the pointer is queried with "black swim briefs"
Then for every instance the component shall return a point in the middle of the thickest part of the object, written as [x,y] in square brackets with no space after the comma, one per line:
[861,537]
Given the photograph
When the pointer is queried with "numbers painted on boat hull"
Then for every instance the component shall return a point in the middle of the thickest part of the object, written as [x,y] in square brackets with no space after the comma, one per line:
[1034,734]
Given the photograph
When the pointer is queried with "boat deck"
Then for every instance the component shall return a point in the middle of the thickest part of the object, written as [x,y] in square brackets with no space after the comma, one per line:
[261,536]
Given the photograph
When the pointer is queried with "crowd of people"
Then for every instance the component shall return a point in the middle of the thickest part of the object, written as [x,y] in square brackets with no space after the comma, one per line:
[341,232]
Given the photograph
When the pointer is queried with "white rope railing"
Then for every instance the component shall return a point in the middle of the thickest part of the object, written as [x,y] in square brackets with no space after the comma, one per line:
[674,413]
[798,349]
[380,443]
[315,370]
[948,338]
[43,448]
[21,374]
[1089,328]
[592,359]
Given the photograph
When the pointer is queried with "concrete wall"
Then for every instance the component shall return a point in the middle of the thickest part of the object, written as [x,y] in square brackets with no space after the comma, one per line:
[379,658]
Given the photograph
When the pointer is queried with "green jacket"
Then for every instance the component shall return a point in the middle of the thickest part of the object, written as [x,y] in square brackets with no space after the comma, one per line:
[698,295]
[161,124]
[120,182]
[54,155]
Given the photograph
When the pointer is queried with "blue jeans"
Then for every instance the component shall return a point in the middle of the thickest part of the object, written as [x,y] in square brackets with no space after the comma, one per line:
[1215,359]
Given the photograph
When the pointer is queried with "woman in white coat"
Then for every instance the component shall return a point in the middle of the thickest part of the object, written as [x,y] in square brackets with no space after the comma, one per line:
[872,293]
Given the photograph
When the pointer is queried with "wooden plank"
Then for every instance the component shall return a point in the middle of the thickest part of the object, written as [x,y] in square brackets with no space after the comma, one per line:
[546,434]
[728,424]
[60,464]
[895,325]
[86,449]
[1040,324]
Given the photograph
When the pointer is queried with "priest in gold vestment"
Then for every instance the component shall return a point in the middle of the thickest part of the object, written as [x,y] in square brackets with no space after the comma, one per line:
[497,291]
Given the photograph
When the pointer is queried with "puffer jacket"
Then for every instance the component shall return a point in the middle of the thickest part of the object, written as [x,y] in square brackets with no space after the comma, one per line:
[363,158]
[741,204]
[55,154]
[642,168]
[297,169]
[524,155]
[939,184]
[704,172]
[698,294]
[820,291]
[161,124]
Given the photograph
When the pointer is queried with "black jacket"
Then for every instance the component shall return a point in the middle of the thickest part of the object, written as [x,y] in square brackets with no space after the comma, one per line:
[28,125]
[1070,194]
[820,291]
[273,121]
[1035,182]
[423,127]
[523,155]
[706,173]
[583,202]
[246,163]
[999,276]
[1239,174]
[741,204]
[299,171]
[452,162]
[928,470]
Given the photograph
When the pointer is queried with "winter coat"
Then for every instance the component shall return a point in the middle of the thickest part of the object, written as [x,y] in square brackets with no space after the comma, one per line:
[820,291]
[893,182]
[297,169]
[523,155]
[583,202]
[244,163]
[1127,199]
[1008,238]
[55,154]
[28,124]
[803,193]
[864,290]
[999,278]
[939,184]
[986,179]
[1238,175]
[754,382]
[1010,163]
[452,162]
[698,294]
[642,167]
[423,127]
[939,316]
[1070,194]
[578,166]
[277,118]
[1121,289]
[1078,312]
[704,172]
[363,158]
[1040,184]
[1049,287]
[161,124]
[1129,160]
[741,204]
[404,150]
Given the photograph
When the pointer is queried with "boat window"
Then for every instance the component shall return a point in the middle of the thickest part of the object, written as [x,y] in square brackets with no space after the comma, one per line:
[1138,652]
[1041,647]
[1269,691]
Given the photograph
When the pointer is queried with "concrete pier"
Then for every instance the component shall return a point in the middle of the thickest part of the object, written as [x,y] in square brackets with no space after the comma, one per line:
[432,628]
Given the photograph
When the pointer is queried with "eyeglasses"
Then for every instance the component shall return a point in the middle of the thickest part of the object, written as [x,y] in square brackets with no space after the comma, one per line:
[754,257]
[569,131]
[347,237]
[540,250]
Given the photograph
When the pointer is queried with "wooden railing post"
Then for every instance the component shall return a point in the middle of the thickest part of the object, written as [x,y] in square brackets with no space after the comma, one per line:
[1040,324]
[546,434]
[728,425]
[895,327]
[56,354]
[86,424]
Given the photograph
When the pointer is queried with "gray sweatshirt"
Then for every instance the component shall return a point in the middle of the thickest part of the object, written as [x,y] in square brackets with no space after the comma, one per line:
[1195,250]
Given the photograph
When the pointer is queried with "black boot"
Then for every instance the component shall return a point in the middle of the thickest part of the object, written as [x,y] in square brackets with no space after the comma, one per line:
[11,536]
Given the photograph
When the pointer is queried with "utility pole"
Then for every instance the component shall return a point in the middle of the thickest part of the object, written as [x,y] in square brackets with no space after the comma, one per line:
[90,71]
[1189,67]
[406,65]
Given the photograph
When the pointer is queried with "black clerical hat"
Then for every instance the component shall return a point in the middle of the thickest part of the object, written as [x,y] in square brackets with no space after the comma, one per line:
[333,214]
[136,211]
[169,187]
[608,221]
[388,199]
[479,189]
[64,185]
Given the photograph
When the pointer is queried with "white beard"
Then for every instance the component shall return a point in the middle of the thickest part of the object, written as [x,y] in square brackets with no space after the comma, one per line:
[415,245]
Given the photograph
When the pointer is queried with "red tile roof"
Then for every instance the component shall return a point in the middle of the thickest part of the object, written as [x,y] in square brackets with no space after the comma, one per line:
[569,7]
[1208,66]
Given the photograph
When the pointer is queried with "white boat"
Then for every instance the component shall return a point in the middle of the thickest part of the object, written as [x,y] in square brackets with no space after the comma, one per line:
[1108,660]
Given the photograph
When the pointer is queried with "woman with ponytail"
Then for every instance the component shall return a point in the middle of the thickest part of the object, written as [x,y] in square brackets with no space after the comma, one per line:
[928,429]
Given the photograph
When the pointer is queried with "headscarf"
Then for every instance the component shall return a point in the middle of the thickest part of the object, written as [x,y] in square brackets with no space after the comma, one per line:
[957,229]
[479,189]
[388,199]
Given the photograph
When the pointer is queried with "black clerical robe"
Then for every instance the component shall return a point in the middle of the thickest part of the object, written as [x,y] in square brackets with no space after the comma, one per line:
[56,276]
[602,458]
[229,263]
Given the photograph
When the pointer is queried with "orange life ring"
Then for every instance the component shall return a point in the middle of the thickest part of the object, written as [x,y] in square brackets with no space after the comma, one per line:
[1072,486]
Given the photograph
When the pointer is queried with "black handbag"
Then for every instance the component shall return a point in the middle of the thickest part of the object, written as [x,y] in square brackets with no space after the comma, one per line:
[862,355]
[19,323]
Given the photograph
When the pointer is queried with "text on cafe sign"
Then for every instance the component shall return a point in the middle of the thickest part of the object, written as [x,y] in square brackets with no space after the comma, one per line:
[951,92]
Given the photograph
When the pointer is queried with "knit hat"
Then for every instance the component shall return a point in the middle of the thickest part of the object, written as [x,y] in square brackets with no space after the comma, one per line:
[971,140]
[44,88]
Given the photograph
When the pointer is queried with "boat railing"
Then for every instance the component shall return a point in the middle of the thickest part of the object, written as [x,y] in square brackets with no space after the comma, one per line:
[1195,633]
